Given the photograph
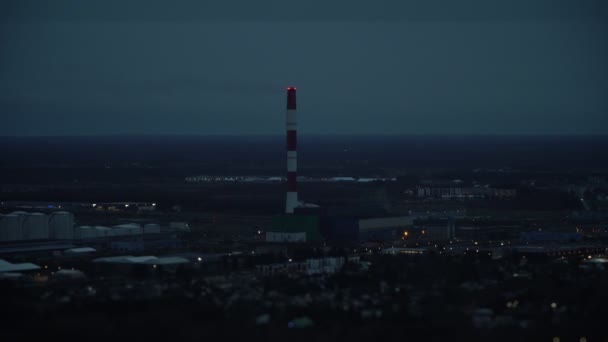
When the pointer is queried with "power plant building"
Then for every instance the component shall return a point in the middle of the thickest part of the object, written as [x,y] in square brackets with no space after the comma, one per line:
[307,222]
[307,225]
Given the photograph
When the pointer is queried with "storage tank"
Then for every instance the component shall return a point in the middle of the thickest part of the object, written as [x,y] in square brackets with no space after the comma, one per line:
[36,226]
[152,228]
[86,232]
[130,229]
[179,226]
[21,215]
[61,225]
[136,230]
[113,232]
[10,229]
[120,231]
[102,231]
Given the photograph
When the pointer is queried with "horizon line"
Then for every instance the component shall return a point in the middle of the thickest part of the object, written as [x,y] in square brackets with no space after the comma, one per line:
[309,135]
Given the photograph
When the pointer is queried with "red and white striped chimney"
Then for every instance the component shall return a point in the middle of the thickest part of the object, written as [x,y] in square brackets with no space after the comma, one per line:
[292,156]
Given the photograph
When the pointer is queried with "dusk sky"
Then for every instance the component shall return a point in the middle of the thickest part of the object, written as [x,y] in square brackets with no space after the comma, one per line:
[373,67]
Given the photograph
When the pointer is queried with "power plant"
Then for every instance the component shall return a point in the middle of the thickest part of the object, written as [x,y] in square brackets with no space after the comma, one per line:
[304,222]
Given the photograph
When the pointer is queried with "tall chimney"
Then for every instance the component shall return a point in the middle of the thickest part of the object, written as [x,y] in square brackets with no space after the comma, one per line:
[292,156]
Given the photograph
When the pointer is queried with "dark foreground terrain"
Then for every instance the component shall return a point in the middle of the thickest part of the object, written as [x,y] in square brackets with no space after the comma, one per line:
[373,297]
[526,262]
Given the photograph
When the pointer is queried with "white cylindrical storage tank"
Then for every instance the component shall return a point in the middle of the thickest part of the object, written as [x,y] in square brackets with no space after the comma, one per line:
[36,227]
[21,215]
[152,228]
[120,231]
[86,232]
[113,231]
[130,229]
[61,225]
[135,231]
[2,232]
[102,231]
[10,228]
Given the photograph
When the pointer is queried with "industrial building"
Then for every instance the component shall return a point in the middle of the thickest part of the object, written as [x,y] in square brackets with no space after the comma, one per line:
[434,229]
[304,222]
[10,228]
[122,230]
[129,263]
[405,251]
[37,233]
[6,266]
[335,229]
[20,225]
[384,228]
[36,226]
[285,237]
[297,224]
[61,225]
[311,266]
[550,237]
[35,247]
[139,243]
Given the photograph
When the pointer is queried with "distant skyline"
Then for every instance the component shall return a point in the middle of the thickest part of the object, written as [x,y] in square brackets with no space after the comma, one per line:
[388,67]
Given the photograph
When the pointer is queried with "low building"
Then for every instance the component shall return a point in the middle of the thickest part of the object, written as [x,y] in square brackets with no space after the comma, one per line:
[550,236]
[6,266]
[285,237]
[308,266]
[149,262]
[384,228]
[405,251]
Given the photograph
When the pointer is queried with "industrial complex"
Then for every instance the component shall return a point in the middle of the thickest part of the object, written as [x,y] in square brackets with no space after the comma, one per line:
[384,251]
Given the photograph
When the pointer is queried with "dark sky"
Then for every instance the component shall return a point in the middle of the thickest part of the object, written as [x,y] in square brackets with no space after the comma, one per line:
[363,67]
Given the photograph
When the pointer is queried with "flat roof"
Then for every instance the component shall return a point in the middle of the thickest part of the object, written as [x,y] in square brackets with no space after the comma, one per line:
[34,247]
[6,266]
[81,250]
[143,260]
